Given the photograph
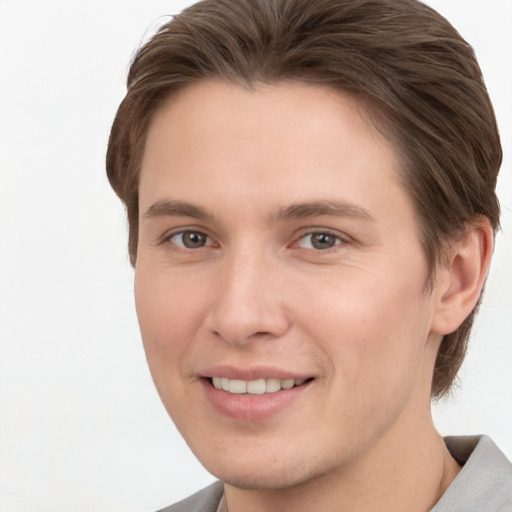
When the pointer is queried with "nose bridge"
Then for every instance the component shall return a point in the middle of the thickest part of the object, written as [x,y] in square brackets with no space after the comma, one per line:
[248,302]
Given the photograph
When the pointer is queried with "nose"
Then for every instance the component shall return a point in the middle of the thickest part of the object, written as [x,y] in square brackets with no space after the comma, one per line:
[248,303]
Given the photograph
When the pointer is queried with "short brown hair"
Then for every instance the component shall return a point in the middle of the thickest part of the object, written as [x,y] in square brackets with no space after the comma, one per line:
[418,77]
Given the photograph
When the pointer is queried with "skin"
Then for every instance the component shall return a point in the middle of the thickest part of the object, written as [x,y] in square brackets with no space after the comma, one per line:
[227,164]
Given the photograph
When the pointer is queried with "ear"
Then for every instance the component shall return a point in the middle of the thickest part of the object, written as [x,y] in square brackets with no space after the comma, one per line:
[460,279]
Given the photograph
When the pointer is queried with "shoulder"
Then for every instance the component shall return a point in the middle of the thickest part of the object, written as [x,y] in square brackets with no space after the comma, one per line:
[485,481]
[206,500]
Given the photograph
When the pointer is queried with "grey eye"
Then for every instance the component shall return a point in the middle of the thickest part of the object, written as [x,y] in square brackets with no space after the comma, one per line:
[189,239]
[319,241]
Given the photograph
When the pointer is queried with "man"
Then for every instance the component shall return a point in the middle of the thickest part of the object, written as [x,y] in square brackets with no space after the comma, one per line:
[310,192]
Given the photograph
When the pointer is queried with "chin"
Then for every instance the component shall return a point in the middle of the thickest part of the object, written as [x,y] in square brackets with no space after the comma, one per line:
[270,474]
[263,480]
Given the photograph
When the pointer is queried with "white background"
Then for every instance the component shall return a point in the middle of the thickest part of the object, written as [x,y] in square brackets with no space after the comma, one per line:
[81,427]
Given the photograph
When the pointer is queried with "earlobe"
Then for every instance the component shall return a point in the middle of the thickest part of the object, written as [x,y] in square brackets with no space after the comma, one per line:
[463,276]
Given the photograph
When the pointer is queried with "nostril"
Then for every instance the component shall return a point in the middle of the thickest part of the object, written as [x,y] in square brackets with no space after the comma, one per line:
[260,334]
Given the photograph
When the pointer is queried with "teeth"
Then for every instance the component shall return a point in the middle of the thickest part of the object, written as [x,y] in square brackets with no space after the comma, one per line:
[287,383]
[237,386]
[255,387]
[273,385]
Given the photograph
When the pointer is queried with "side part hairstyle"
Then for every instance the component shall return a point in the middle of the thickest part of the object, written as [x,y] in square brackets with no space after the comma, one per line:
[417,78]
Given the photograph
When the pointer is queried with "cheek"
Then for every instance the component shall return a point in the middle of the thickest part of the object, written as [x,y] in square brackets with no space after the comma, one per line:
[168,315]
[373,332]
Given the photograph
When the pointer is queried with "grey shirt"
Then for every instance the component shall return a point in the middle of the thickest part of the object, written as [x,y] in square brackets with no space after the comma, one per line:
[483,485]
[485,482]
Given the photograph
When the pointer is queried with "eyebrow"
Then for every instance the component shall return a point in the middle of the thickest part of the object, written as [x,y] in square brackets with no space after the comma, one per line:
[173,208]
[318,208]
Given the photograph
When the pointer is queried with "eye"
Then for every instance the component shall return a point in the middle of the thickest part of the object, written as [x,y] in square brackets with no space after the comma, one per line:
[190,239]
[319,241]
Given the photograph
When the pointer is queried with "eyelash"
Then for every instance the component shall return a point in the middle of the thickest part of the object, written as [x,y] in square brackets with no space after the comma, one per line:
[336,238]
[169,238]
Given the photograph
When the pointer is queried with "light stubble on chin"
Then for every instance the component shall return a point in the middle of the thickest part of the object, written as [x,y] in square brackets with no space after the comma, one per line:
[297,476]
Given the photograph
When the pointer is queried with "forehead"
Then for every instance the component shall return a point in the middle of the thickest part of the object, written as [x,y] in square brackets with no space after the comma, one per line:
[214,102]
[263,136]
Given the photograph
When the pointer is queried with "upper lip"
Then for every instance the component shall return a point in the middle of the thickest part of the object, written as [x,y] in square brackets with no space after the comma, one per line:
[252,373]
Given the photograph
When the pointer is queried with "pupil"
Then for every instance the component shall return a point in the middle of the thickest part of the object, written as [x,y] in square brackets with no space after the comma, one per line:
[192,239]
[323,241]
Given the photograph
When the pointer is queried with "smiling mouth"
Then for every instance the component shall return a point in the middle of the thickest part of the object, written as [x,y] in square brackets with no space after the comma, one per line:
[255,387]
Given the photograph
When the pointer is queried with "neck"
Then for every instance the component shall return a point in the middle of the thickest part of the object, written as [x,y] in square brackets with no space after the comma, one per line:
[401,473]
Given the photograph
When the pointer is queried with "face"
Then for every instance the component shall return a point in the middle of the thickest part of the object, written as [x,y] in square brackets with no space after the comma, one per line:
[280,282]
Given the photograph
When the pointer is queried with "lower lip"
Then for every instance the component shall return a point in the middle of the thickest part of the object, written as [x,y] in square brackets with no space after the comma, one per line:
[251,408]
